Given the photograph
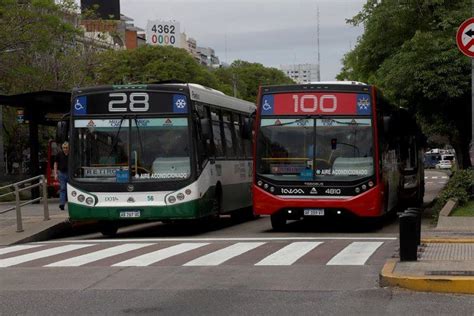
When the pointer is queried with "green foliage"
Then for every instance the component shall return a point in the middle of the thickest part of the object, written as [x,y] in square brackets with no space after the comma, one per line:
[408,49]
[247,78]
[149,64]
[458,187]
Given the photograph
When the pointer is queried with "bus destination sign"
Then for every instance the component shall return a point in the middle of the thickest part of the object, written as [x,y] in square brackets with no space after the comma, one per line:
[129,102]
[316,104]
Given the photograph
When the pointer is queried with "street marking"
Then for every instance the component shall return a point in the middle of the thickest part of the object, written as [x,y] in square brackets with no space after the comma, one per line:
[434,177]
[355,254]
[97,255]
[220,256]
[216,239]
[16,248]
[40,254]
[159,255]
[289,254]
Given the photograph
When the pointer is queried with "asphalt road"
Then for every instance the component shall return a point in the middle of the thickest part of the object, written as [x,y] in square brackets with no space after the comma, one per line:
[223,268]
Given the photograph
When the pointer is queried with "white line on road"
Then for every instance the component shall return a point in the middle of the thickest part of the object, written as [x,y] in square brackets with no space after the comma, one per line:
[220,256]
[40,254]
[159,255]
[16,248]
[97,255]
[356,254]
[216,239]
[289,254]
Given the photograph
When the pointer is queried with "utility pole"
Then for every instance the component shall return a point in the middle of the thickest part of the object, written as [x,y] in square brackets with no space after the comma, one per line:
[319,57]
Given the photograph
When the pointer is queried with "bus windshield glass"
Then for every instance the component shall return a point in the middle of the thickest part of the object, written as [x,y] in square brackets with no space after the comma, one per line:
[131,149]
[306,148]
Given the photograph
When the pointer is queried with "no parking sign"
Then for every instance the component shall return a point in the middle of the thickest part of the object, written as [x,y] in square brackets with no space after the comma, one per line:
[465,37]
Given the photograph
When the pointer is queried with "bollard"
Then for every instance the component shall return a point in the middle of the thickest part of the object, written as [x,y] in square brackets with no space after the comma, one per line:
[19,220]
[408,241]
[417,212]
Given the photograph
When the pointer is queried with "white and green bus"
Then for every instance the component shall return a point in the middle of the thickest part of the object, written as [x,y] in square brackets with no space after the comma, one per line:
[166,152]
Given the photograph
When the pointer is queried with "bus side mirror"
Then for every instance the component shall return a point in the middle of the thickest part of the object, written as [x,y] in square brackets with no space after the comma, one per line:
[247,128]
[205,128]
[62,132]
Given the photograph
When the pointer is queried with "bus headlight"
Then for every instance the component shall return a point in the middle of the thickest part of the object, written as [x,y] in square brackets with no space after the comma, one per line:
[81,198]
[272,189]
[171,199]
[74,193]
[259,183]
[371,184]
[357,190]
[265,186]
[89,201]
[180,196]
[188,191]
[364,187]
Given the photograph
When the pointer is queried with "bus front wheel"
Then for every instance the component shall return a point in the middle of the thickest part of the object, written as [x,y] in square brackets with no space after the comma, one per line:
[278,221]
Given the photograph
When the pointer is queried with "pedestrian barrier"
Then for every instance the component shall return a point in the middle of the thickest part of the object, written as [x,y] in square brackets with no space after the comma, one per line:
[17,188]
[410,234]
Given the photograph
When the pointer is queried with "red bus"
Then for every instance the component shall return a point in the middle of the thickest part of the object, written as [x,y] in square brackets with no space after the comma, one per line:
[331,150]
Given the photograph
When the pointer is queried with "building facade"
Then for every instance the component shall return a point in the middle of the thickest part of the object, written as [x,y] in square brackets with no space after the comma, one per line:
[301,73]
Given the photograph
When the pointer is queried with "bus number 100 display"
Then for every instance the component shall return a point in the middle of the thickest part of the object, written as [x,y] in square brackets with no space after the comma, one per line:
[309,103]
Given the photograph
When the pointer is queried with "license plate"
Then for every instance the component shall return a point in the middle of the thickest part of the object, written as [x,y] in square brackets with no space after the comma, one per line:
[129,214]
[314,212]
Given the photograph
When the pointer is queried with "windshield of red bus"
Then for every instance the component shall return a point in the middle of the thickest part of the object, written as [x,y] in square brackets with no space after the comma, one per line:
[315,147]
[159,149]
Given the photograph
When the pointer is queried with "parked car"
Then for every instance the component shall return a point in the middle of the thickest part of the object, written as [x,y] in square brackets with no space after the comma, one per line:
[444,164]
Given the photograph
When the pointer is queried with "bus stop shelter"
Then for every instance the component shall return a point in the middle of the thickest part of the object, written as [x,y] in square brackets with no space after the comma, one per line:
[40,108]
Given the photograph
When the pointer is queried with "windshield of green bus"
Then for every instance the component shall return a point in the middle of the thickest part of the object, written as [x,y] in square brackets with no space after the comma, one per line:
[299,144]
[131,149]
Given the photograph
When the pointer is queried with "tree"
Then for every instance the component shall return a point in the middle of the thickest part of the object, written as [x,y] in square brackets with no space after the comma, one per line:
[412,56]
[247,77]
[148,64]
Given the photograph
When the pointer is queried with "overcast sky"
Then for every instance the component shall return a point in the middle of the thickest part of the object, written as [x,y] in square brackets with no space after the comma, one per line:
[271,32]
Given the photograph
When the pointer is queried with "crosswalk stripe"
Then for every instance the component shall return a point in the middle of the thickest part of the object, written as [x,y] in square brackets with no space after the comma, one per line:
[159,255]
[220,256]
[16,248]
[40,254]
[355,254]
[97,255]
[288,254]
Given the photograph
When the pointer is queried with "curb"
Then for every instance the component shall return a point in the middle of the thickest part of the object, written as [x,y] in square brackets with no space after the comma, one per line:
[45,234]
[442,284]
[447,240]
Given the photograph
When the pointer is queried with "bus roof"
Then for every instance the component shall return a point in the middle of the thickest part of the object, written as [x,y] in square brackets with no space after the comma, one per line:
[197,92]
[338,86]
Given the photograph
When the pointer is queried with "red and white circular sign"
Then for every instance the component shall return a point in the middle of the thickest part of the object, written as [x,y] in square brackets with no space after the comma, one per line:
[465,37]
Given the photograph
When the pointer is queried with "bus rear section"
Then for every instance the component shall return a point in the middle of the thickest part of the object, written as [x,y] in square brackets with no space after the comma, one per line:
[317,154]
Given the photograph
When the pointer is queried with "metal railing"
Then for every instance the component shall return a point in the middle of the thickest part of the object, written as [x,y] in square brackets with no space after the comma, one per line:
[17,188]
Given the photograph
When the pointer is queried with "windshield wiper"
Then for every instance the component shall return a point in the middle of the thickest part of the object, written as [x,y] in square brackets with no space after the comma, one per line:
[116,138]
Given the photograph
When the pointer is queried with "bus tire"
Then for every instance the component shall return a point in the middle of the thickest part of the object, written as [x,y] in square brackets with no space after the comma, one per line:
[108,229]
[218,199]
[278,221]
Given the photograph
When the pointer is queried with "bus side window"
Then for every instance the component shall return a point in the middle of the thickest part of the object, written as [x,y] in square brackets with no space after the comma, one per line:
[230,149]
[247,142]
[203,145]
[217,133]
[237,135]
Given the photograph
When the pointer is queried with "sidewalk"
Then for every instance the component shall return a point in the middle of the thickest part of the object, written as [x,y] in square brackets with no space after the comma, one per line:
[445,264]
[35,228]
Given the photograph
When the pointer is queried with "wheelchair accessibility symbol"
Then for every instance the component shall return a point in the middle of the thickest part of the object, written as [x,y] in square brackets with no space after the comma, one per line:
[78,106]
[266,106]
